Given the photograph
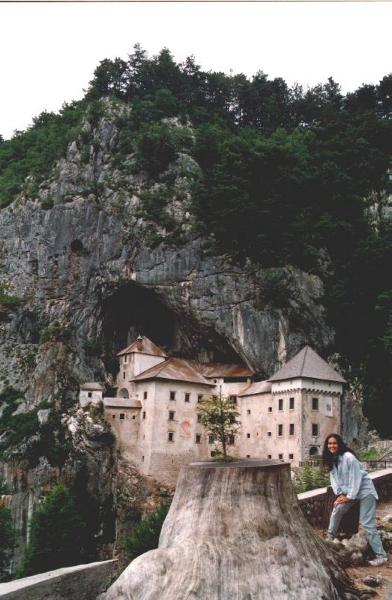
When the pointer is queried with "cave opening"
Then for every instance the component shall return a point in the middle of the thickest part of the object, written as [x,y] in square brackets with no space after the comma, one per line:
[133,310]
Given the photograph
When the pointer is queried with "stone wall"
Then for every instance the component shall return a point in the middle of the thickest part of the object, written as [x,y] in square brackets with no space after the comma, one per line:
[317,504]
[82,582]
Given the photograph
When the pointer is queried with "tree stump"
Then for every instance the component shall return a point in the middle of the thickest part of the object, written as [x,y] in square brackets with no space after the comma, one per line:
[235,532]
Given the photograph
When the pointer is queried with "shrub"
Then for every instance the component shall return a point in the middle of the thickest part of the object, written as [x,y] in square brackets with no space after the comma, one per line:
[6,540]
[310,478]
[55,531]
[145,536]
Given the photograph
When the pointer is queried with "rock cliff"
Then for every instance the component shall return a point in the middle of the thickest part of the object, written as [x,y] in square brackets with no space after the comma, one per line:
[84,267]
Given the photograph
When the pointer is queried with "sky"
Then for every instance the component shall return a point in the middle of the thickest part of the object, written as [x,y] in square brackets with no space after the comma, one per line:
[49,50]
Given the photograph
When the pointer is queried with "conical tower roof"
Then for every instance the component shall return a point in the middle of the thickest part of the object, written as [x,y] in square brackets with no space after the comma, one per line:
[307,363]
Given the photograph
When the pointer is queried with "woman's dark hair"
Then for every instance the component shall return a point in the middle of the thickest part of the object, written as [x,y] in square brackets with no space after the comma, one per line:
[327,456]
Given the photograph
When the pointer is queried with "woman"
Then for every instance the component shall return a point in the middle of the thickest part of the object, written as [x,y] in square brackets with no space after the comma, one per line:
[350,482]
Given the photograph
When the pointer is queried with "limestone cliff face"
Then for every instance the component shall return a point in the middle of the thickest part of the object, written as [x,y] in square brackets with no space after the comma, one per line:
[85,264]
[77,260]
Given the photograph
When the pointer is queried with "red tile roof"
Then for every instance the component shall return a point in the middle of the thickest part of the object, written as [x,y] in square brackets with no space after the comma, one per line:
[260,387]
[143,346]
[224,370]
[174,369]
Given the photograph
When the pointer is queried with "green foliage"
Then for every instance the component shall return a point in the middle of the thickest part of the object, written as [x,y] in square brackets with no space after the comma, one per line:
[34,151]
[371,454]
[93,347]
[55,533]
[219,416]
[55,332]
[51,442]
[9,300]
[145,535]
[15,428]
[310,478]
[7,535]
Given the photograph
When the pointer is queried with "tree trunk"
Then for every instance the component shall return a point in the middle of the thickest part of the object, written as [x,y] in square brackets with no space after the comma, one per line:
[235,532]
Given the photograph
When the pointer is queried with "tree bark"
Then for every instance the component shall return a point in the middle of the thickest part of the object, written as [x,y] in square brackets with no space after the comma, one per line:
[235,532]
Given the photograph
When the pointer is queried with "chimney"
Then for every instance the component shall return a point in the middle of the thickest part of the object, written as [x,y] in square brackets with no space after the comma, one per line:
[139,343]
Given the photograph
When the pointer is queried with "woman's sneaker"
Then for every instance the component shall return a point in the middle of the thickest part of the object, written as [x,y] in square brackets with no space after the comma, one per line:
[378,561]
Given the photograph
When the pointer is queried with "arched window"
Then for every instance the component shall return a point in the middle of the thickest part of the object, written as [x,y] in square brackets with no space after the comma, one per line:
[123,393]
[313,451]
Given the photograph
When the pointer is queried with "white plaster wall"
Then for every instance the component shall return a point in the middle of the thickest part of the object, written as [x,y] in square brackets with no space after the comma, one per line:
[166,457]
[85,400]
[326,424]
[312,384]
[126,430]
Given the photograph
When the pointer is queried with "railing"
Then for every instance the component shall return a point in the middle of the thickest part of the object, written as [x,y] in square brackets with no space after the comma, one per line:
[374,465]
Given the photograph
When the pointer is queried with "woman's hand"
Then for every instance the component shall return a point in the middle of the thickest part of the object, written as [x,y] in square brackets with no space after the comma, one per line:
[341,500]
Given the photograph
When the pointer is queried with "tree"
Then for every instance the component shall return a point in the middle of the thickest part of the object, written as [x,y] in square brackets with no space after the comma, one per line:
[55,533]
[145,536]
[219,416]
[6,535]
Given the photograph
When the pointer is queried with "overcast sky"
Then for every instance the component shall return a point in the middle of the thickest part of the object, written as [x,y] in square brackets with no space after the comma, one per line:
[49,51]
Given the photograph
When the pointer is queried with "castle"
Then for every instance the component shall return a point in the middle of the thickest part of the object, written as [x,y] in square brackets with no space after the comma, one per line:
[155,421]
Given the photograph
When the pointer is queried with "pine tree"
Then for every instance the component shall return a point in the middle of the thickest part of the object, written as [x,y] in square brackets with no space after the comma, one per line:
[55,533]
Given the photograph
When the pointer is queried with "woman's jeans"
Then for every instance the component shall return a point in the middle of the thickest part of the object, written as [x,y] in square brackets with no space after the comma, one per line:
[367,518]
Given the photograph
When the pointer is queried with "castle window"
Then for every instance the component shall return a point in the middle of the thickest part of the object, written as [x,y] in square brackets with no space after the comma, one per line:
[171,415]
[122,416]
[280,456]
[172,395]
[291,403]
[270,456]
[198,438]
[144,414]
[248,411]
[248,456]
[280,430]
[231,440]
[143,458]
[270,409]
[89,394]
[133,417]
[113,416]
[199,397]
[269,433]
[291,430]
[233,399]
[248,435]
[170,436]
[145,395]
[198,418]
[315,403]
[280,403]
[291,456]
[126,358]
[123,374]
[211,439]
[315,429]
[187,397]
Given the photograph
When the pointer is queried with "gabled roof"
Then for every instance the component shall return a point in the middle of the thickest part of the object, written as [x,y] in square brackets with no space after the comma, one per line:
[224,370]
[92,386]
[143,346]
[307,363]
[174,369]
[260,387]
[122,402]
